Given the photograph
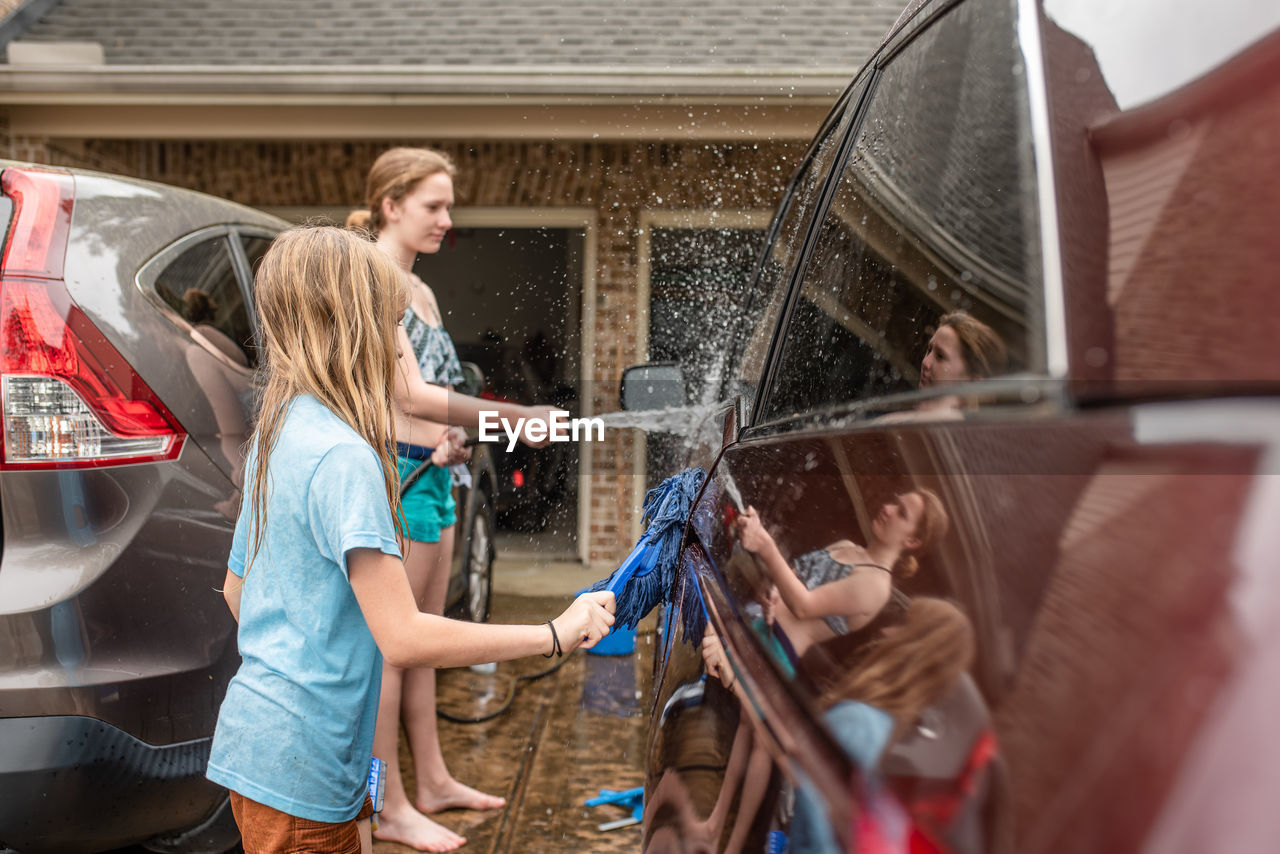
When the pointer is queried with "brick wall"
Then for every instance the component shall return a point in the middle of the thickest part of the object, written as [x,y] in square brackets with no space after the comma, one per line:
[617,180]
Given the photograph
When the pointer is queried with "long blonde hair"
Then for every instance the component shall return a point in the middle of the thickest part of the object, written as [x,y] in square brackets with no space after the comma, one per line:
[328,305]
[913,665]
[393,176]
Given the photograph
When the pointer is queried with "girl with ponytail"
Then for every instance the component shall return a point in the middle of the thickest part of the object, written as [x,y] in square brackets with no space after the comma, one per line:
[409,194]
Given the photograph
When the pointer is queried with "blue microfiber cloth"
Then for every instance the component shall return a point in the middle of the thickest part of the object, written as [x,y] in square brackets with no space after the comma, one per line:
[645,577]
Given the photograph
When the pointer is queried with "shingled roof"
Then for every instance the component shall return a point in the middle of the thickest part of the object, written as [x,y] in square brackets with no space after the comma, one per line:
[565,69]
[667,34]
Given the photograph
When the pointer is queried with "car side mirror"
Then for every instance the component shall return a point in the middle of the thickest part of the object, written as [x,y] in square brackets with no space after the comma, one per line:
[472,379]
[653,385]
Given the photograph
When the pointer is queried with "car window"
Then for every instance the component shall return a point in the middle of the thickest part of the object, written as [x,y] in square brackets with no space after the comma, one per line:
[254,248]
[783,253]
[934,214]
[201,285]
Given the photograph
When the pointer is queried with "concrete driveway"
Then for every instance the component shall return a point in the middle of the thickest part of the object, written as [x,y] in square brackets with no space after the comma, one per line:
[566,735]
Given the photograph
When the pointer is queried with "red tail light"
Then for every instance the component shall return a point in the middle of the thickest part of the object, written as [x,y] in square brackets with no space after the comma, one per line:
[70,400]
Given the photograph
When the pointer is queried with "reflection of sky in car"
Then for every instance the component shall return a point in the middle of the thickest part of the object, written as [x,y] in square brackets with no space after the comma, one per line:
[1194,36]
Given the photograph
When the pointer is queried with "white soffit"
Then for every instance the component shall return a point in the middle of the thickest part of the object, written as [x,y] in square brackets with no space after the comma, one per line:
[55,54]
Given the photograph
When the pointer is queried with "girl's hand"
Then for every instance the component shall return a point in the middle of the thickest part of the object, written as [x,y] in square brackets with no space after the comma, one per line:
[714,659]
[585,621]
[450,449]
[751,532]
[771,603]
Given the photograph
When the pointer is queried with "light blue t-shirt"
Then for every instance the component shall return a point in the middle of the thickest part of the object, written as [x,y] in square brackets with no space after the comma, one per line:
[295,731]
[863,731]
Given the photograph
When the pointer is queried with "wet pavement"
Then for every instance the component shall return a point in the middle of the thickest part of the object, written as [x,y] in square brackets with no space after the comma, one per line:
[566,736]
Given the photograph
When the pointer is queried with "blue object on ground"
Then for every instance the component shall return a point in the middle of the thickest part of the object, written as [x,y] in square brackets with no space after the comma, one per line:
[609,687]
[632,799]
[644,579]
[620,641]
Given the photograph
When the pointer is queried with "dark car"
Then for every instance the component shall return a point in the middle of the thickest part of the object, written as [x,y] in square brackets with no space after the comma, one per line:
[127,339]
[1085,657]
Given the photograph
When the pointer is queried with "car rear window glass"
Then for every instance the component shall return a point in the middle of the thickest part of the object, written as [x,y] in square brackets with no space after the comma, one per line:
[254,248]
[6,213]
[935,212]
[765,299]
[201,285]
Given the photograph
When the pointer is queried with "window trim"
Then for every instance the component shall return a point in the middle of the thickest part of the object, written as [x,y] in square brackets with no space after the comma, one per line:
[245,269]
[145,281]
[1053,294]
[699,219]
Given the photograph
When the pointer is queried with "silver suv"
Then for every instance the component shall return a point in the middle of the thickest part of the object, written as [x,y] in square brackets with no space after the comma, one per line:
[126,340]
[127,363]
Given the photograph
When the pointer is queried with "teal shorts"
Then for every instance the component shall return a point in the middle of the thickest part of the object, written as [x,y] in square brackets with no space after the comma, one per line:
[428,502]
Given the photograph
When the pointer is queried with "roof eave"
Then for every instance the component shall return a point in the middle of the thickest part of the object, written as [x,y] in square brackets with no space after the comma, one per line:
[362,84]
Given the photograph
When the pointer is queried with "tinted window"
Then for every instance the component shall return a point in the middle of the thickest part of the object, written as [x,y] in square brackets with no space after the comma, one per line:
[201,286]
[934,213]
[254,249]
[6,213]
[779,262]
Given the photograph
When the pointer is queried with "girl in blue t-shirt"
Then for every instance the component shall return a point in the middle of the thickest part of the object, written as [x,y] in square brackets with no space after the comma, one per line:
[315,577]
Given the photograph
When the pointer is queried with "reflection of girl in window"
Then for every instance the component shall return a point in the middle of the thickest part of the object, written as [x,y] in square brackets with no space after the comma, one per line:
[962,349]
[842,587]
[876,701]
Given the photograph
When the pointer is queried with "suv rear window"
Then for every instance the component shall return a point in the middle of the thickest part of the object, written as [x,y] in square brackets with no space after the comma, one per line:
[6,214]
[201,285]
[935,212]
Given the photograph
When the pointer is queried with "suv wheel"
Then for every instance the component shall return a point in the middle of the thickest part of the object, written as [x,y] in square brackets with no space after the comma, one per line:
[217,834]
[478,560]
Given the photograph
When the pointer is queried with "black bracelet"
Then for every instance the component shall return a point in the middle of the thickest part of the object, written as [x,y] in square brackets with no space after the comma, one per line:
[555,642]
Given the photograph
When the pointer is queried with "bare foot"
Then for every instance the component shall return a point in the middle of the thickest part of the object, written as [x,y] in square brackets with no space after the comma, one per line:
[412,828]
[454,795]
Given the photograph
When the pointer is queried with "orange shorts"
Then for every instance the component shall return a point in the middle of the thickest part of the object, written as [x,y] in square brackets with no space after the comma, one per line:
[266,830]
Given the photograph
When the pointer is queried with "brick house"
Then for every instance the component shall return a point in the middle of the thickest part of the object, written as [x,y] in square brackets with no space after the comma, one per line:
[587,135]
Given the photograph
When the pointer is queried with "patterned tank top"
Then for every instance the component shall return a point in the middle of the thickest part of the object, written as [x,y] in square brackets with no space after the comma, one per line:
[434,350]
[817,568]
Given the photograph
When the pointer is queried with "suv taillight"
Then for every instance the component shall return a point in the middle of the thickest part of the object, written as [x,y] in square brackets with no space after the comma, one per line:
[70,400]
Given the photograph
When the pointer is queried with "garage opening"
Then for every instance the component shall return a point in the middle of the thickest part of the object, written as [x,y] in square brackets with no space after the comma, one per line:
[511,298]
